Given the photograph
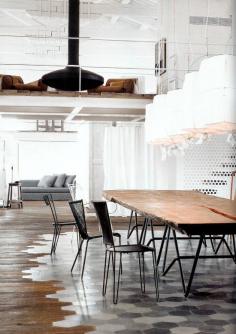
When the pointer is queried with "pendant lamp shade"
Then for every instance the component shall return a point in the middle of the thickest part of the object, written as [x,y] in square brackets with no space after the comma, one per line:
[156,121]
[72,77]
[175,111]
[205,106]
[217,91]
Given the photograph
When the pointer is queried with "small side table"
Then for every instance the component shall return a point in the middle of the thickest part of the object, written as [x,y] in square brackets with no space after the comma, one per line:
[18,200]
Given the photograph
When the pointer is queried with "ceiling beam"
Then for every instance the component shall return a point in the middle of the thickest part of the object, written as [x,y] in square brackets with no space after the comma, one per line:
[87,9]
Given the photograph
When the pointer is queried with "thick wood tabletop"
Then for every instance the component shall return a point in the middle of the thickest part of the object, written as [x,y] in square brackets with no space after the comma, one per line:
[190,212]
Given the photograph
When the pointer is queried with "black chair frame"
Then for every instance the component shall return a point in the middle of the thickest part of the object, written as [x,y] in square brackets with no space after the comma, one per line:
[112,251]
[48,199]
[79,216]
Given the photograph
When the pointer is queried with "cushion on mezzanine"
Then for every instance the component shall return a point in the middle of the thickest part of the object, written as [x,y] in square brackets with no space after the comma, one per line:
[47,181]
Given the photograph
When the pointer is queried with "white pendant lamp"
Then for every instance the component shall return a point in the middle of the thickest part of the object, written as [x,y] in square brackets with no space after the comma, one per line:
[217,89]
[205,106]
[156,121]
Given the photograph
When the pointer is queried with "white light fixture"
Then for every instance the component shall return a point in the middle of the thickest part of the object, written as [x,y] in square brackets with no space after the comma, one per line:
[157,121]
[217,91]
[205,106]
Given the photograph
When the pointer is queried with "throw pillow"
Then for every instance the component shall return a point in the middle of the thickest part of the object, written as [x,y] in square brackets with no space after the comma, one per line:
[60,180]
[117,84]
[69,180]
[47,181]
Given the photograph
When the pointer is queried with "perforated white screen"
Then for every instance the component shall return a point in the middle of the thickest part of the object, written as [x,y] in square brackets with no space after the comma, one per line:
[208,166]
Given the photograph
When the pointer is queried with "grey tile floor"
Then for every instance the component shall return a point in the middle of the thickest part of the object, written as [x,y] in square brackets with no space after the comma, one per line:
[210,307]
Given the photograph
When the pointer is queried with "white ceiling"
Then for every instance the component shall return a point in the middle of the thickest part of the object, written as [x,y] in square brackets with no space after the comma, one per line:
[38,28]
[33,39]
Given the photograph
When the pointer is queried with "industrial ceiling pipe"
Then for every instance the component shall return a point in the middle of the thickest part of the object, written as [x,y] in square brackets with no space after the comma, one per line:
[72,77]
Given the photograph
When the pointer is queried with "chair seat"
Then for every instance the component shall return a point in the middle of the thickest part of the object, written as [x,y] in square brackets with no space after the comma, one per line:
[90,237]
[131,249]
[65,223]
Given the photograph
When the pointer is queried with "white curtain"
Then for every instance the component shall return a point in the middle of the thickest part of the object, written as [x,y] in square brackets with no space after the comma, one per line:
[8,163]
[129,163]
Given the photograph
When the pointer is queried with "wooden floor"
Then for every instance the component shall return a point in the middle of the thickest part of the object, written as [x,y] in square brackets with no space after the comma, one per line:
[24,307]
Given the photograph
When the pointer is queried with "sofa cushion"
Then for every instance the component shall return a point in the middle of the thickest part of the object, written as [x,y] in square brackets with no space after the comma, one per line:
[44,190]
[69,180]
[47,181]
[60,180]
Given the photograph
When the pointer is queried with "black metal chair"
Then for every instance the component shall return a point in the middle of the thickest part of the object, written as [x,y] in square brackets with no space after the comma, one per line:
[111,251]
[77,208]
[48,199]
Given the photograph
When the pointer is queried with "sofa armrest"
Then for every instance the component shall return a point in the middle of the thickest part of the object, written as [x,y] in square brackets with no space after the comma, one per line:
[29,183]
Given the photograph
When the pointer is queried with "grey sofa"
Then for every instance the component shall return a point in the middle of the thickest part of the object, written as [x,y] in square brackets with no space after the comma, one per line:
[32,192]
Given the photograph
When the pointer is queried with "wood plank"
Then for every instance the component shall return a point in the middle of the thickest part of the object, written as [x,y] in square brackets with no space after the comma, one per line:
[187,211]
[24,307]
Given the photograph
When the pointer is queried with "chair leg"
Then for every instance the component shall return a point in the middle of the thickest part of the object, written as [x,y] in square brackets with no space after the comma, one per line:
[85,256]
[156,276]
[166,250]
[57,238]
[118,281]
[152,232]
[136,226]
[77,236]
[76,257]
[53,239]
[121,262]
[114,277]
[140,272]
[106,272]
[75,230]
[143,274]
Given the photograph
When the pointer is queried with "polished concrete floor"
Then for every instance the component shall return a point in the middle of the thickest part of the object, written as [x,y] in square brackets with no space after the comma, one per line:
[39,294]
[210,308]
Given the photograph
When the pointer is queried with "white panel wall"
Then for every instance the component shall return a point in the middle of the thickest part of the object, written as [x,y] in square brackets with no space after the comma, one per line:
[40,158]
[188,44]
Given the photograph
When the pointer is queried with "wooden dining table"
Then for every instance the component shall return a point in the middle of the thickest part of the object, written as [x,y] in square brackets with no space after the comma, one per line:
[189,212]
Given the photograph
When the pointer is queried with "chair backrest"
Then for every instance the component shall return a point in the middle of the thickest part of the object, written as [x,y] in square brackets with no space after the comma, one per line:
[104,221]
[77,208]
[48,199]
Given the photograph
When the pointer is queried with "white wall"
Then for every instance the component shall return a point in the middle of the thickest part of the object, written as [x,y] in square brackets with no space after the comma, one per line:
[188,44]
[33,155]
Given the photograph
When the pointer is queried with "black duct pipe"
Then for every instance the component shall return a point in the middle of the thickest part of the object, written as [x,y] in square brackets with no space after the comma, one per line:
[72,77]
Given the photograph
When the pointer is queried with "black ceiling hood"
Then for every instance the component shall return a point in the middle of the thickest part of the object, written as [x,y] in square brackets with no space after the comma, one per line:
[72,77]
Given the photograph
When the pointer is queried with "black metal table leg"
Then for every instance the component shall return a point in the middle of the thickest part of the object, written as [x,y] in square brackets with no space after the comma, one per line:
[162,245]
[166,250]
[178,258]
[130,223]
[194,265]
